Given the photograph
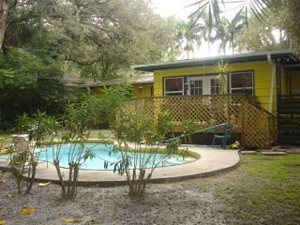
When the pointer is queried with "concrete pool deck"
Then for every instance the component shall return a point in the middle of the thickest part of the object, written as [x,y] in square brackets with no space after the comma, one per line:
[212,161]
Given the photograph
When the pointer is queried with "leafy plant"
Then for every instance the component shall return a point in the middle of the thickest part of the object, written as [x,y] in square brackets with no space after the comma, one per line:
[111,99]
[77,123]
[223,72]
[146,135]
[23,163]
[72,127]
[188,127]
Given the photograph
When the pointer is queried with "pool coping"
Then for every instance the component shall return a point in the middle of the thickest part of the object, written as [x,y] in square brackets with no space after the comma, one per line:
[212,161]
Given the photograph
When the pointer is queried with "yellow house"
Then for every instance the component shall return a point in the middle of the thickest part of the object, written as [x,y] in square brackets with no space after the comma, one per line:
[142,86]
[269,80]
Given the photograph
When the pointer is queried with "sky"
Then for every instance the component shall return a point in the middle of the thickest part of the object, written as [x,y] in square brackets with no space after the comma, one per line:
[178,9]
[172,8]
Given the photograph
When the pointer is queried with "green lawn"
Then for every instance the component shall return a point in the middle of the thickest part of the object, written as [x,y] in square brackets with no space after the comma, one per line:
[262,190]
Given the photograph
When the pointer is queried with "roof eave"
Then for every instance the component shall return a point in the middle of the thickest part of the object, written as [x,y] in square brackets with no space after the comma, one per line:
[213,60]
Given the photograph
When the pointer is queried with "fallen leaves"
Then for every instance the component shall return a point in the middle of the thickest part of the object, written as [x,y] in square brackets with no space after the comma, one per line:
[44,184]
[13,195]
[27,210]
[71,220]
[2,221]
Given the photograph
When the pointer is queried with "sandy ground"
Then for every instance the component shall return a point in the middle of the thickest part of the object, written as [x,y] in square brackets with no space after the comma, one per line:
[176,203]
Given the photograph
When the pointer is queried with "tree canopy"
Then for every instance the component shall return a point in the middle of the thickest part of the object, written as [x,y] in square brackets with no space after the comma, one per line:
[41,40]
[266,15]
[96,37]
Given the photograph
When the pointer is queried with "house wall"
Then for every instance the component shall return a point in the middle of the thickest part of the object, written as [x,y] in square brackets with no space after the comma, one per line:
[293,79]
[96,91]
[262,78]
[138,90]
[141,90]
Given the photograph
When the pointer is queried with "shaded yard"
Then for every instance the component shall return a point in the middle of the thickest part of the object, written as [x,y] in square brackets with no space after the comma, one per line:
[262,190]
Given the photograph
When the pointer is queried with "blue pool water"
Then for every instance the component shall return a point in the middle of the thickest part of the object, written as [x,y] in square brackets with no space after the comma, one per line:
[103,154]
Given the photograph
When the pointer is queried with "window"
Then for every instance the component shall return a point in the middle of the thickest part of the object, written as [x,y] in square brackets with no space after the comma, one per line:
[196,87]
[214,87]
[173,86]
[241,82]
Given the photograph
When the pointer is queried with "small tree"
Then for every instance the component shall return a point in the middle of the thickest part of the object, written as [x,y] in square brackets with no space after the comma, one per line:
[23,163]
[223,70]
[76,125]
[223,73]
[146,135]
[72,127]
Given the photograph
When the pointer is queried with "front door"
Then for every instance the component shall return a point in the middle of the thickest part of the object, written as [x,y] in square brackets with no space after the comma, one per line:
[202,85]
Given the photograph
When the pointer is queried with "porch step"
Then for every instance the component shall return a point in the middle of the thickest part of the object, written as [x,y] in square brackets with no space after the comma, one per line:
[289,110]
[248,152]
[288,130]
[289,139]
[289,119]
[289,104]
[274,153]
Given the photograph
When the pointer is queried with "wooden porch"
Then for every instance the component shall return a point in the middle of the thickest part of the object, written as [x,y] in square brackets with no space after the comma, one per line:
[255,125]
[288,119]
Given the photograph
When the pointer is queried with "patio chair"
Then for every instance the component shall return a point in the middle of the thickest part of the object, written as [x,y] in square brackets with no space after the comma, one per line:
[225,137]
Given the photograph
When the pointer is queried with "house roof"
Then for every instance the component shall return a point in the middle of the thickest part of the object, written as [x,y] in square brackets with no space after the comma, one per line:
[287,57]
[292,67]
[142,79]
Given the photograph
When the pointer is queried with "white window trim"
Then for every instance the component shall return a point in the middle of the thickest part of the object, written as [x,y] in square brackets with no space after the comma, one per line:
[173,92]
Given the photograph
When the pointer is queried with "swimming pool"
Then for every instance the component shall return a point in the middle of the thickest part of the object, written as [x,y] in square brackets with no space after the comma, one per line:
[103,153]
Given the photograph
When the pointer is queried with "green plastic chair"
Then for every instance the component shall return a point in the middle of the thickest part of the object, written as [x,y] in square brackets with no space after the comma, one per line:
[228,128]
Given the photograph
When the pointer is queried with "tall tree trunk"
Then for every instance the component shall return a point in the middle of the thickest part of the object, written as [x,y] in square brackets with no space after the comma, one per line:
[3,18]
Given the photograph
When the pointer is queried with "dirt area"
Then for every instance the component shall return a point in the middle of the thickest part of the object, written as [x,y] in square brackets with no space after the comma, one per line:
[262,190]
[176,203]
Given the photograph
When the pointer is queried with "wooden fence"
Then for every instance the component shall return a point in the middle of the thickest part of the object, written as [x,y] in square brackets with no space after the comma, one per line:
[256,126]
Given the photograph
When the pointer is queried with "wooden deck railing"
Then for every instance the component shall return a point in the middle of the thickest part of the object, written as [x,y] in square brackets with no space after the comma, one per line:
[256,125]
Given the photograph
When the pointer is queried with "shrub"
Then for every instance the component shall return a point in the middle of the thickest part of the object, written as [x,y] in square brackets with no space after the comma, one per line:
[146,135]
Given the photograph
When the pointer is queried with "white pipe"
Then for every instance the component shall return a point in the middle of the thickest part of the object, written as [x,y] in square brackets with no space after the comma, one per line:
[272,82]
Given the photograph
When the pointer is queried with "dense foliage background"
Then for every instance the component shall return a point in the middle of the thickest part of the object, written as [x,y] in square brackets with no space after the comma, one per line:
[41,41]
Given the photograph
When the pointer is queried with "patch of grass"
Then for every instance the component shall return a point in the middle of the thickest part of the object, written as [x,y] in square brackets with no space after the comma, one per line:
[263,190]
[5,141]
[105,133]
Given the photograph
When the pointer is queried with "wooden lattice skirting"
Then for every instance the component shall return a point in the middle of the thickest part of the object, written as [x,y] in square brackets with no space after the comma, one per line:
[256,126]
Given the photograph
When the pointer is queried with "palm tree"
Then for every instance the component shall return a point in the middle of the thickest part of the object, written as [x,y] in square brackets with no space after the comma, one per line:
[287,12]
[187,37]
[203,27]
[216,7]
[222,69]
[227,30]
[209,12]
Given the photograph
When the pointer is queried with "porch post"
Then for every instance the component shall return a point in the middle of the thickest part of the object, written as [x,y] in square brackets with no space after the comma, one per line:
[278,69]
[273,77]
[278,66]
